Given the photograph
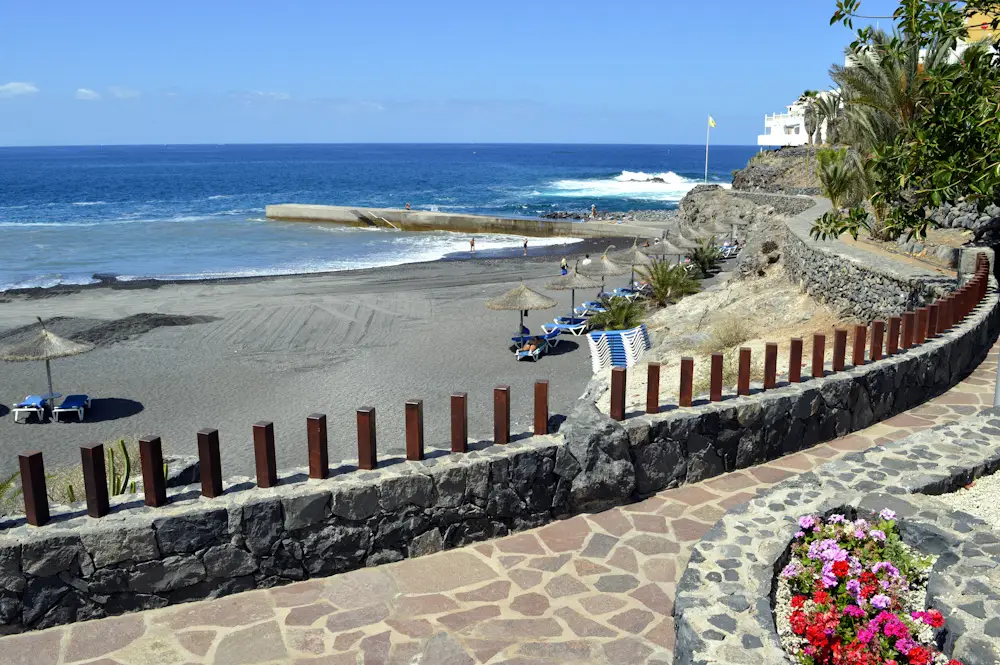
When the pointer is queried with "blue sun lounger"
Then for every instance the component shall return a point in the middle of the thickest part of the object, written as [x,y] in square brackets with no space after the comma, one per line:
[537,353]
[590,307]
[566,324]
[32,404]
[77,404]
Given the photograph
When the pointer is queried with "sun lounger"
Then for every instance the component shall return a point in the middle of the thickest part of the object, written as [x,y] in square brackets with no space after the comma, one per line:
[536,354]
[590,307]
[77,404]
[628,294]
[32,404]
[577,328]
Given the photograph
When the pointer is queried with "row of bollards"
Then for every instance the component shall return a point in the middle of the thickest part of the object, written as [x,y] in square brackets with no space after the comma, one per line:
[36,503]
[900,333]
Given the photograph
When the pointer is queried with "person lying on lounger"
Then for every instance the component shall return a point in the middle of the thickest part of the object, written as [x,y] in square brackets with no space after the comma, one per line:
[532,344]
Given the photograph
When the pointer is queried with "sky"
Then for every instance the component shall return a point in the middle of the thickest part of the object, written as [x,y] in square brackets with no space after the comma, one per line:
[331,71]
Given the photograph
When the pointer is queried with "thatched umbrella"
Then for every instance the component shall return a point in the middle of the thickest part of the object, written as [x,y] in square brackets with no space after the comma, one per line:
[681,241]
[603,267]
[522,299]
[634,257]
[571,282]
[666,248]
[44,346]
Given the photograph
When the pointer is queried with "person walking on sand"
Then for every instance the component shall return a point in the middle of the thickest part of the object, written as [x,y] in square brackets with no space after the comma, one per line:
[472,245]
[586,260]
[525,246]
[563,266]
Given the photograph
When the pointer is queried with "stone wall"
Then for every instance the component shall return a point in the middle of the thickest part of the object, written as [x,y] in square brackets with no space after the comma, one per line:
[723,610]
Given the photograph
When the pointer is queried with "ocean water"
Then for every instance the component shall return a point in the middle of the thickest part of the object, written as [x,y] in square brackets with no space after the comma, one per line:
[188,212]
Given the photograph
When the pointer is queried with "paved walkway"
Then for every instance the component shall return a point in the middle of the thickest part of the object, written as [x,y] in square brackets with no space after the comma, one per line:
[596,588]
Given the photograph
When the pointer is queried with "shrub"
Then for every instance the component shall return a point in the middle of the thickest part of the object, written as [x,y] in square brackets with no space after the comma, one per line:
[706,257]
[668,283]
[768,246]
[730,371]
[728,334]
[10,490]
[621,314]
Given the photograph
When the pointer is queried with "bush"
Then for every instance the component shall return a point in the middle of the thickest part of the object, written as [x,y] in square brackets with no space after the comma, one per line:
[707,257]
[728,334]
[668,283]
[768,246]
[621,314]
[730,371]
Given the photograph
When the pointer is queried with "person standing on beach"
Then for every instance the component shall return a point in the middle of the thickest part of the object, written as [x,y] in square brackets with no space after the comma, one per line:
[586,260]
[564,266]
[472,245]
[407,205]
[525,246]
[593,211]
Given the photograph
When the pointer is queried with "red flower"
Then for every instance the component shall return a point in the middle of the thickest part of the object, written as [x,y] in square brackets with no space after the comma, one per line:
[821,597]
[798,601]
[890,662]
[798,622]
[934,618]
[840,568]
[868,590]
[868,577]
[918,656]
[954,662]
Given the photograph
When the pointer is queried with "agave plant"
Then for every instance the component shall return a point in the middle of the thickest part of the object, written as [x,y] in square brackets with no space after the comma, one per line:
[621,314]
[668,283]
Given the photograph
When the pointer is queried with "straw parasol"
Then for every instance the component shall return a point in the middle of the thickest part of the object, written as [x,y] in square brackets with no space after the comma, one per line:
[679,240]
[522,299]
[45,346]
[571,282]
[634,257]
[603,267]
[667,248]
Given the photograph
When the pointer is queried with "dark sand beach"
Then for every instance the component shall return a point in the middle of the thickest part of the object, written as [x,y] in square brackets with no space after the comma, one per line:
[226,354]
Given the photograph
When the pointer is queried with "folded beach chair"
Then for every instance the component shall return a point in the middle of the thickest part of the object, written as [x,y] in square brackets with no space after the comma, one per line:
[72,404]
[32,404]
[536,354]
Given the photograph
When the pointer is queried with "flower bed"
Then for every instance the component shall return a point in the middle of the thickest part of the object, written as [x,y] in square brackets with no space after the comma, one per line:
[853,594]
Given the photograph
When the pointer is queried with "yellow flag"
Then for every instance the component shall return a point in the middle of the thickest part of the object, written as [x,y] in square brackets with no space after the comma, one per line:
[711,121]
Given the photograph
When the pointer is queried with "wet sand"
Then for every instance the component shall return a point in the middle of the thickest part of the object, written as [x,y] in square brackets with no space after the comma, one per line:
[282,348]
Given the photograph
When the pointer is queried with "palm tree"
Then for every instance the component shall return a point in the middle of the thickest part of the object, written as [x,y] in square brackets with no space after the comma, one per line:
[828,110]
[668,283]
[620,314]
[706,257]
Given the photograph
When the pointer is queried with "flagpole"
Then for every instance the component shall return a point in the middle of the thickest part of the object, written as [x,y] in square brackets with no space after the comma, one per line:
[708,134]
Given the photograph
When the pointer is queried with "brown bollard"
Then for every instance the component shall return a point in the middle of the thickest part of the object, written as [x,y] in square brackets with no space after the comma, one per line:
[945,322]
[95,479]
[36,499]
[892,341]
[686,392]
[459,423]
[770,365]
[210,463]
[878,334]
[541,408]
[795,360]
[920,328]
[154,484]
[501,415]
[618,376]
[715,380]
[818,355]
[414,430]
[909,324]
[367,442]
[839,349]
[263,453]
[858,345]
[743,378]
[933,312]
[319,453]
[653,388]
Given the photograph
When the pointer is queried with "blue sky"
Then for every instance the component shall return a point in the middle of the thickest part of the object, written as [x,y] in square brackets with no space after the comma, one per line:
[580,71]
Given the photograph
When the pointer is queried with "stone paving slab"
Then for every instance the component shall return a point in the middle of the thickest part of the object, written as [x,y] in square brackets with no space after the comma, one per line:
[595,588]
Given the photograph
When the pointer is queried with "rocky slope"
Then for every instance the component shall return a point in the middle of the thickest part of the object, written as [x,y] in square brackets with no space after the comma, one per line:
[784,171]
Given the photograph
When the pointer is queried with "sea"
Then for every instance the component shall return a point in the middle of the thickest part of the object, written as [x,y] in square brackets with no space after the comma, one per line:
[197,211]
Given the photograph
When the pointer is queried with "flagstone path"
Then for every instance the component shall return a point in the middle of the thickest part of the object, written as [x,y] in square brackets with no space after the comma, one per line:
[596,588]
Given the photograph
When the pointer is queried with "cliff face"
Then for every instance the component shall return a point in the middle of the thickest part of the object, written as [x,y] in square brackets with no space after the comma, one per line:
[784,171]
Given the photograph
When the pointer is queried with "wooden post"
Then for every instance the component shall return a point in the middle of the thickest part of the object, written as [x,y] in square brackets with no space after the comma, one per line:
[618,377]
[415,430]
[892,342]
[920,330]
[795,360]
[319,452]
[819,355]
[210,463]
[770,365]
[263,453]
[878,333]
[909,323]
[653,388]
[715,381]
[933,312]
[367,444]
[501,415]
[839,349]
[743,378]
[95,479]
[858,346]
[36,500]
[687,382]
[154,485]
[459,423]
[541,408]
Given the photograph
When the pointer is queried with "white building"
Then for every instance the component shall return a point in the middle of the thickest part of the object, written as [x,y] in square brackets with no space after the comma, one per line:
[789,128]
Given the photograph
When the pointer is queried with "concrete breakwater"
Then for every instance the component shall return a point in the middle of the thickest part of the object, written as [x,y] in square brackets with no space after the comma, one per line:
[422,220]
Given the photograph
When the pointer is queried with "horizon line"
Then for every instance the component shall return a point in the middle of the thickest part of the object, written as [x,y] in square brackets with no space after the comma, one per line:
[363,143]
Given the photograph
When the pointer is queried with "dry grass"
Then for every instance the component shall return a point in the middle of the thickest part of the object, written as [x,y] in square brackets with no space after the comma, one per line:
[730,371]
[727,334]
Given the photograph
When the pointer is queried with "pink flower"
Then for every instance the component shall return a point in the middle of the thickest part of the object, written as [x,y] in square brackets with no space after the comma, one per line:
[887,514]
[854,611]
[807,522]
[881,601]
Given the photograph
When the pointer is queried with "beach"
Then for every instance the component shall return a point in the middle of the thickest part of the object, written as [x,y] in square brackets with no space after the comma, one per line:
[281,348]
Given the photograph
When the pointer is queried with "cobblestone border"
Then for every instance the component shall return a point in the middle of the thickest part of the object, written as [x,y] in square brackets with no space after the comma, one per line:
[723,609]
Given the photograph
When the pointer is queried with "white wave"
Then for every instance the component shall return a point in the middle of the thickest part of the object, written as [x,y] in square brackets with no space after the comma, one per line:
[220,196]
[46,282]
[667,186]
[90,203]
